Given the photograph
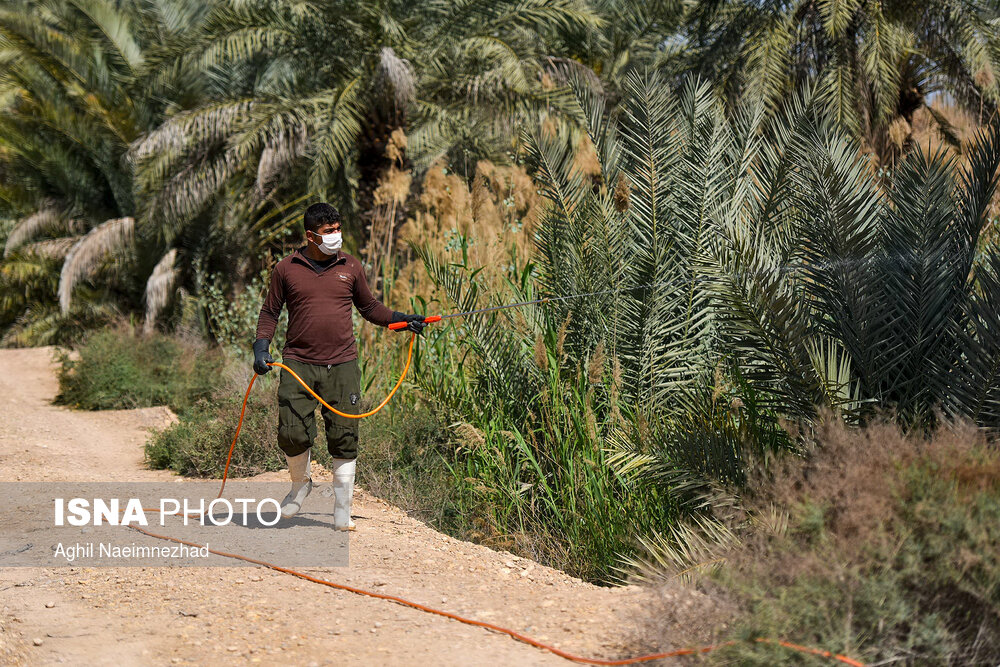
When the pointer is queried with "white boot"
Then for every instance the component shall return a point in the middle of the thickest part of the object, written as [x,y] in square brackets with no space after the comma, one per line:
[298,470]
[343,491]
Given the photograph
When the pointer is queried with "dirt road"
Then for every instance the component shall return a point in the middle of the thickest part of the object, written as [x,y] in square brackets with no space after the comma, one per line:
[163,616]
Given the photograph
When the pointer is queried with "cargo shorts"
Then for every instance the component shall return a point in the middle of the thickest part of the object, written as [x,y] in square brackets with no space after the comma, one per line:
[340,386]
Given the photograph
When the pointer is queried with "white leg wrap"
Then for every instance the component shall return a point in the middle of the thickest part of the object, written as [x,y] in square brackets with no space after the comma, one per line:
[298,470]
[343,491]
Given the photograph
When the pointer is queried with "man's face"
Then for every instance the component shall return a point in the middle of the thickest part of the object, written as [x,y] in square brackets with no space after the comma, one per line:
[328,228]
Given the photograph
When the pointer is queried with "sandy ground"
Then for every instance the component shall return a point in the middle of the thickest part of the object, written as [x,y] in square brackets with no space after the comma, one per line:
[163,616]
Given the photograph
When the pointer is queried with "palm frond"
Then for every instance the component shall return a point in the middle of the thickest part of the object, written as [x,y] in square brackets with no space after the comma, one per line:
[975,390]
[52,248]
[690,549]
[838,212]
[88,251]
[837,14]
[767,322]
[923,271]
[159,287]
[339,127]
[398,73]
[29,227]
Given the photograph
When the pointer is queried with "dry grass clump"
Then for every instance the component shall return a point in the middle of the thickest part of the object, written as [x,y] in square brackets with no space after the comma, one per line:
[585,161]
[496,216]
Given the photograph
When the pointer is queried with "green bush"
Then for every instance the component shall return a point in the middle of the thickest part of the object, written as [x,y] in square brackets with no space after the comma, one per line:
[198,444]
[119,368]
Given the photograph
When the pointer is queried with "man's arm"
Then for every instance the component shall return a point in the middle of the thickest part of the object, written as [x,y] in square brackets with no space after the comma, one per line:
[267,322]
[375,311]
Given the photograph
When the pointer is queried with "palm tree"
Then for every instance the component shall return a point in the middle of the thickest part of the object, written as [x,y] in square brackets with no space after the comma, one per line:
[634,36]
[877,61]
[71,104]
[307,95]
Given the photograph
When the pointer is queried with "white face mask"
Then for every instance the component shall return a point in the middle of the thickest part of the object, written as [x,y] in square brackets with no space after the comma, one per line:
[331,243]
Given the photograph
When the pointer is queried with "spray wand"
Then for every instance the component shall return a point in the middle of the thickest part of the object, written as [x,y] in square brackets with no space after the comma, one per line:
[396,326]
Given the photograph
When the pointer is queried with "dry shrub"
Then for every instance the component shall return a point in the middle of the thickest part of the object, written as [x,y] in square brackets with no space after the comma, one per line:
[445,203]
[891,550]
[847,489]
[515,184]
[484,207]
[846,473]
[961,454]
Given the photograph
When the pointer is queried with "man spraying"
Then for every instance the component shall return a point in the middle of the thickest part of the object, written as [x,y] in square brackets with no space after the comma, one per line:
[318,283]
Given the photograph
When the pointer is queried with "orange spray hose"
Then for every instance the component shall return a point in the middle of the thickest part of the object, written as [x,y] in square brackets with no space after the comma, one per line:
[416,605]
[406,369]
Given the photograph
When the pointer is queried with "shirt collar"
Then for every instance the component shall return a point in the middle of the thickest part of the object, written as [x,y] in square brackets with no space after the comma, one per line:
[300,255]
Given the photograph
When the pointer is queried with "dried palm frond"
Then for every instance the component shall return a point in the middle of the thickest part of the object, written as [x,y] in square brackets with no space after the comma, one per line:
[84,256]
[53,248]
[191,128]
[279,153]
[159,287]
[399,74]
[29,227]
[691,548]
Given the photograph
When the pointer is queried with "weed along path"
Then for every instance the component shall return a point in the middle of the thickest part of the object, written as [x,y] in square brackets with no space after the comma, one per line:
[237,615]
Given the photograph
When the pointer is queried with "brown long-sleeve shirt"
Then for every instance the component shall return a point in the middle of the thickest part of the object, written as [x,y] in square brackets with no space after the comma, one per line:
[319,301]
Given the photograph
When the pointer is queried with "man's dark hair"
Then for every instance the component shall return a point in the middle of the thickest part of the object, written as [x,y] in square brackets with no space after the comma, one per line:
[318,215]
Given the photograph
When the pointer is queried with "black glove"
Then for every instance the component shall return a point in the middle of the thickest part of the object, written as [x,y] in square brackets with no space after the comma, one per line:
[415,324]
[261,357]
